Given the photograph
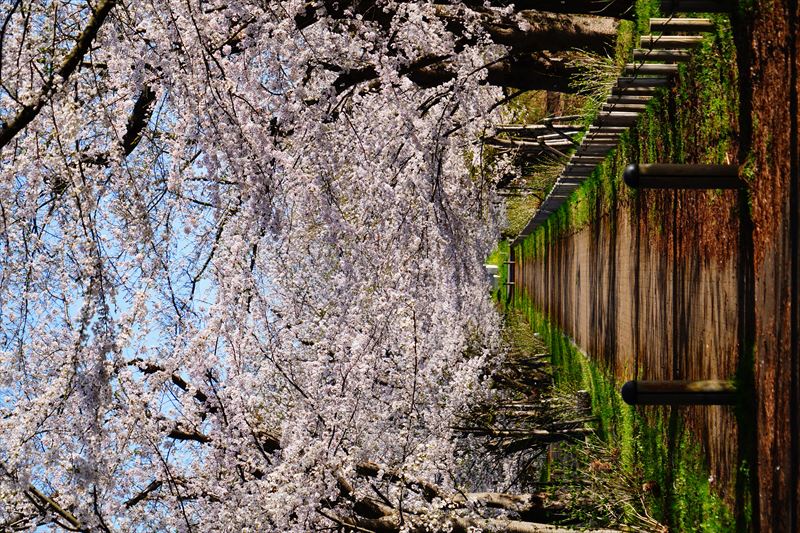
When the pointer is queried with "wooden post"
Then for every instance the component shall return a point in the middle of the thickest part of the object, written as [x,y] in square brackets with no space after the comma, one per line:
[674,176]
[667,42]
[631,82]
[512,261]
[608,139]
[536,128]
[649,69]
[628,108]
[579,170]
[628,99]
[588,159]
[556,136]
[595,150]
[566,187]
[681,24]
[580,165]
[634,91]
[606,118]
[646,54]
[707,392]
[572,180]
[606,129]
[604,134]
[592,149]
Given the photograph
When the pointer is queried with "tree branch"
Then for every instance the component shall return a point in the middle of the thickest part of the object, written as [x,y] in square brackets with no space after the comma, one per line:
[153,486]
[48,502]
[28,112]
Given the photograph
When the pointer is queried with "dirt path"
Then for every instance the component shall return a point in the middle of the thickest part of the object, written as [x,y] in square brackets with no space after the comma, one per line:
[648,312]
[683,285]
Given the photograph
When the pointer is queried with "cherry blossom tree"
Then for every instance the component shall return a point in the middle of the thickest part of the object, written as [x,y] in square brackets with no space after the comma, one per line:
[241,282]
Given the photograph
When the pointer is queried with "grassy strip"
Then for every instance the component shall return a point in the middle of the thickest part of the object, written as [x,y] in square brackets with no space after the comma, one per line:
[658,453]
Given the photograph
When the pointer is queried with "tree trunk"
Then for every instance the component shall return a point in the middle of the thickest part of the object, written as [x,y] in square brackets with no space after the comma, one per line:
[392,524]
[536,507]
[623,9]
[533,72]
[539,31]
[528,71]
[535,31]
[554,33]
[525,35]
[464,525]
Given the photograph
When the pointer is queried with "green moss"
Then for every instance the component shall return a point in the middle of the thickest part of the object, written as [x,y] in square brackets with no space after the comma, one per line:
[645,10]
[696,507]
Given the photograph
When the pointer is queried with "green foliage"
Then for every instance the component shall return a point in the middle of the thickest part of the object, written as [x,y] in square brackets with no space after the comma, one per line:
[594,78]
[626,38]
[677,464]
[645,10]
[498,258]
[527,108]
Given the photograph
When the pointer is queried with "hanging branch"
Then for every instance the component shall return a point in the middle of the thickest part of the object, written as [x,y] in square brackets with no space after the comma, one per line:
[73,59]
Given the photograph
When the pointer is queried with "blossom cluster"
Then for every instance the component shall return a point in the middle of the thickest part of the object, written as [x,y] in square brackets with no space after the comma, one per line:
[242,255]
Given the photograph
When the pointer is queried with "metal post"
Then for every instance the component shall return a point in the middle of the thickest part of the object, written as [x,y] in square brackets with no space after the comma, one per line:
[707,392]
[675,176]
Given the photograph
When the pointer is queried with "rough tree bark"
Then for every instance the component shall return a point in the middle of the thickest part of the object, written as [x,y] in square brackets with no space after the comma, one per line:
[532,38]
[535,31]
[623,9]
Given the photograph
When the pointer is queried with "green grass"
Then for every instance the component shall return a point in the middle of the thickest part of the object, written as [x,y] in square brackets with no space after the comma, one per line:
[519,211]
[656,451]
